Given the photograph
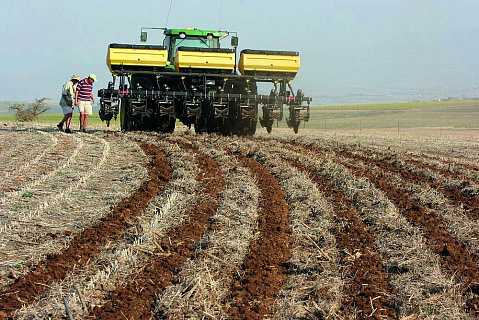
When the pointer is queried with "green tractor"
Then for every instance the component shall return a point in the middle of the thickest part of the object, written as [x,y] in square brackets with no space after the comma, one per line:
[192,79]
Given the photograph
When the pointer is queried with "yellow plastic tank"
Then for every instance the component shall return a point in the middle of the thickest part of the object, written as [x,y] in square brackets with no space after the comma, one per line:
[205,59]
[136,57]
[269,63]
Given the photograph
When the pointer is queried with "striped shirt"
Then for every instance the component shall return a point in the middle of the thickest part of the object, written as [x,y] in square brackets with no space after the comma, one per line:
[84,90]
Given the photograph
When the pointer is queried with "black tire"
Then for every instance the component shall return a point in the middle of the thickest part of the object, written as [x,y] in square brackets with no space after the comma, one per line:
[211,123]
[293,120]
[252,123]
[224,126]
[128,123]
[167,124]
[267,121]
[123,115]
[201,123]
[251,129]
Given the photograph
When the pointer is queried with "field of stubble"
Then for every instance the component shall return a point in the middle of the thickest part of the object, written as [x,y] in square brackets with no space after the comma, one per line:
[108,225]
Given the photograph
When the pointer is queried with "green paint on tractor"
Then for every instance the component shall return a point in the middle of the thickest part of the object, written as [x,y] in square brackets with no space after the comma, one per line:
[192,32]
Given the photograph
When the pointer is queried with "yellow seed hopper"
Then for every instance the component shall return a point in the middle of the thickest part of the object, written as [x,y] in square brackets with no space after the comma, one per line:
[269,63]
[136,57]
[213,60]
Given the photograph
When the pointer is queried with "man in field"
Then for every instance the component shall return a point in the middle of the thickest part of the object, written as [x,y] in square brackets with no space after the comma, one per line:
[84,99]
[66,102]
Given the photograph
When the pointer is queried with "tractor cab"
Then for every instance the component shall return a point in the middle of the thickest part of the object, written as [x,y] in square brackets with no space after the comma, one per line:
[190,38]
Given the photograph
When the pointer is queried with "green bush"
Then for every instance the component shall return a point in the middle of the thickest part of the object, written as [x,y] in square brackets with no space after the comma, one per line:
[31,111]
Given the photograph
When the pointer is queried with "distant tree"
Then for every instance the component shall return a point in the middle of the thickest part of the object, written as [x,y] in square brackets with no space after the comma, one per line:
[30,112]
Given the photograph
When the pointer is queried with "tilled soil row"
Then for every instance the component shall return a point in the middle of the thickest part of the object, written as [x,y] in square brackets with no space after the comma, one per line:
[314,284]
[422,289]
[462,159]
[205,278]
[454,256]
[136,300]
[446,164]
[264,269]
[313,288]
[453,159]
[455,194]
[109,265]
[470,202]
[33,224]
[89,242]
[368,290]
[441,162]
[452,214]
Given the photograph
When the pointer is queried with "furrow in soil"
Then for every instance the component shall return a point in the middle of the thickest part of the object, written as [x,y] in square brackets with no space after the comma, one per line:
[264,271]
[136,300]
[204,279]
[314,285]
[367,286]
[118,260]
[412,267]
[454,256]
[86,245]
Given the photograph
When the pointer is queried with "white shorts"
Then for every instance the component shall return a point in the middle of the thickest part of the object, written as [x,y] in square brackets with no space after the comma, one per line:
[67,109]
[85,106]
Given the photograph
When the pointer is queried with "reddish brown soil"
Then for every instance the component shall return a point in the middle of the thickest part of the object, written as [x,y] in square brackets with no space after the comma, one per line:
[136,300]
[469,202]
[367,287]
[264,269]
[367,292]
[455,257]
[449,162]
[87,244]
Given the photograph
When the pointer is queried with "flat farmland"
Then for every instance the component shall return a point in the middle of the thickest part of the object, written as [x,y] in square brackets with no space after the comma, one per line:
[437,118]
[319,225]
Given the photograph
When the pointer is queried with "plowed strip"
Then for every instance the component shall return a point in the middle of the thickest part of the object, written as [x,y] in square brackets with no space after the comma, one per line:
[368,290]
[136,300]
[455,258]
[471,203]
[264,271]
[89,242]
[435,166]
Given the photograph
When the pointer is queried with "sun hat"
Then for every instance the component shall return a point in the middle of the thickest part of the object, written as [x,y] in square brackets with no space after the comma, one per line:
[76,77]
[92,76]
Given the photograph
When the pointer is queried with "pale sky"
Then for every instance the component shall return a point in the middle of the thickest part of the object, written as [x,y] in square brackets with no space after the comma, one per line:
[347,47]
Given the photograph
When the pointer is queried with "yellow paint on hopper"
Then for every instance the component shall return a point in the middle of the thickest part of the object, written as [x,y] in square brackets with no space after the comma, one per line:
[204,60]
[136,57]
[268,64]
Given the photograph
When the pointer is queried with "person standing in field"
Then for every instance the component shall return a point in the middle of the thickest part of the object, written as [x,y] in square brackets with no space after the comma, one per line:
[84,99]
[66,102]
